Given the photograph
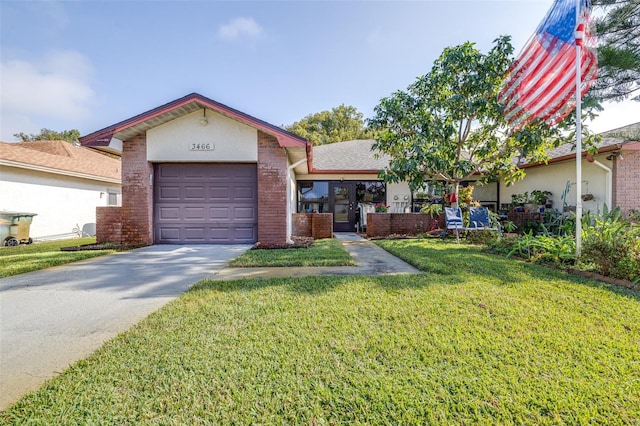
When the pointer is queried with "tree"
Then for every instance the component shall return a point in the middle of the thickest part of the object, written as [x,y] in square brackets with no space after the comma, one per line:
[342,123]
[50,135]
[618,32]
[449,125]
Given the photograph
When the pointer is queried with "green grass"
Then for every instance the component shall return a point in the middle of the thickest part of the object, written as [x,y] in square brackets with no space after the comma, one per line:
[326,252]
[32,257]
[478,339]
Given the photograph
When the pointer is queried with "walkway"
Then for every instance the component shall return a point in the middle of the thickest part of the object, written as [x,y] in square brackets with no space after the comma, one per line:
[370,260]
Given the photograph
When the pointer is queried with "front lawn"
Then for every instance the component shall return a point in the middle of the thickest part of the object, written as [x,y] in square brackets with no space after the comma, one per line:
[476,339]
[326,252]
[26,258]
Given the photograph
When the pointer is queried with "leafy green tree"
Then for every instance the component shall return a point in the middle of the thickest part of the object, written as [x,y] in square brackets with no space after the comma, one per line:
[449,126]
[618,32]
[342,123]
[50,135]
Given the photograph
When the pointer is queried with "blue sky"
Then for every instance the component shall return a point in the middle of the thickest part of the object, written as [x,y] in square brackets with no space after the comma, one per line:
[89,64]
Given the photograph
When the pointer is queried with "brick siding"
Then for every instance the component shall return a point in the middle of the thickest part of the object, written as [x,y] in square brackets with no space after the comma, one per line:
[137,192]
[626,179]
[109,224]
[272,191]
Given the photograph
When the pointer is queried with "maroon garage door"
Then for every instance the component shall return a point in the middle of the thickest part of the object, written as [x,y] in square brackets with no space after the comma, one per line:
[205,203]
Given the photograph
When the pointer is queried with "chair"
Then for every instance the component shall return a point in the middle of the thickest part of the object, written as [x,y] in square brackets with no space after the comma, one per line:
[364,209]
[453,221]
[479,220]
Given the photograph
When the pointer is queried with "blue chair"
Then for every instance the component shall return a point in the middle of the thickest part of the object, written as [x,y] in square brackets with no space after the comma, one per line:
[453,221]
[479,220]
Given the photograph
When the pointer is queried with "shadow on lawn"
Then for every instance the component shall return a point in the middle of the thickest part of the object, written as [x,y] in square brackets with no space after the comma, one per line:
[444,263]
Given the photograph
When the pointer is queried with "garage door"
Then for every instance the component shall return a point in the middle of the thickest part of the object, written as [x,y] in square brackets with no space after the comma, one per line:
[205,203]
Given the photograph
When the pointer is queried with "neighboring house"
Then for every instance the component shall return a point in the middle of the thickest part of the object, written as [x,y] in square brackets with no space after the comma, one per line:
[62,183]
[611,177]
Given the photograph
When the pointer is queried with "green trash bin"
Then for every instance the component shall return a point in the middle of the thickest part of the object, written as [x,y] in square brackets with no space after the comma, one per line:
[14,228]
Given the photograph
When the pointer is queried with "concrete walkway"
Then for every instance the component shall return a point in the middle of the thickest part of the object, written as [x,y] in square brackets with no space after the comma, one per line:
[370,260]
[51,318]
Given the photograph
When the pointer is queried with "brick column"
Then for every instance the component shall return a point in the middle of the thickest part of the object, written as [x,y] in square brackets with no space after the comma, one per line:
[626,175]
[137,192]
[272,191]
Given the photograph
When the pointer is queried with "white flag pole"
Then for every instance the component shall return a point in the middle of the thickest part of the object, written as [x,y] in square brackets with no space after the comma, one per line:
[579,37]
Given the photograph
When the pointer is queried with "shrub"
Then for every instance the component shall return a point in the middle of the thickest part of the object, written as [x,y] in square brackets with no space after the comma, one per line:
[482,237]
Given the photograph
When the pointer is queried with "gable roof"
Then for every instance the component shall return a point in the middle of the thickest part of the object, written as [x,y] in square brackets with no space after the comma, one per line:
[62,158]
[178,108]
[350,156]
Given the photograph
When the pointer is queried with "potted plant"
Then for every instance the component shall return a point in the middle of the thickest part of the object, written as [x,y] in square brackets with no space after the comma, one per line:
[518,201]
[381,208]
[541,198]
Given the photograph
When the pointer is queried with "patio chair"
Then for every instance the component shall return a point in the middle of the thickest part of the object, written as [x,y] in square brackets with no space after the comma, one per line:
[479,220]
[453,221]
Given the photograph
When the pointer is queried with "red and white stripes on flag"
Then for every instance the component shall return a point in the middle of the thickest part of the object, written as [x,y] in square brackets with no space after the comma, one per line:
[541,83]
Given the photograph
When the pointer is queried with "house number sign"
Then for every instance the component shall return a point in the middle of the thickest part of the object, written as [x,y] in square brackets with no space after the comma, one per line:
[208,146]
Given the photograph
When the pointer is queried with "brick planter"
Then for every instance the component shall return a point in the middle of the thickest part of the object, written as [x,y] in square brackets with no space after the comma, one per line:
[384,224]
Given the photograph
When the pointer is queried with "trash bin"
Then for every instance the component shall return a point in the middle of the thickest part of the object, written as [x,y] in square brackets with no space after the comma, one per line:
[14,228]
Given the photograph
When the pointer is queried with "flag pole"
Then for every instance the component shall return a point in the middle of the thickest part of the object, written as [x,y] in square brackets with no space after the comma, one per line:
[579,38]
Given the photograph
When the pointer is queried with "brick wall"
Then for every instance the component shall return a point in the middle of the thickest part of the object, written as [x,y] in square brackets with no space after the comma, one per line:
[301,224]
[521,219]
[109,224]
[626,179]
[316,225]
[322,225]
[384,224]
[272,191]
[137,193]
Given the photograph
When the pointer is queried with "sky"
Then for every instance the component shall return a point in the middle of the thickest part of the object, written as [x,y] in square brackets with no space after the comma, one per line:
[90,64]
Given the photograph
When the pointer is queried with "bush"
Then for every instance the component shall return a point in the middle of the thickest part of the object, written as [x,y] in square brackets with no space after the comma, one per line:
[482,237]
[611,242]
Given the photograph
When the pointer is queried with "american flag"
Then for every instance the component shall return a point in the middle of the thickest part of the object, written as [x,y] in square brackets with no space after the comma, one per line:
[541,83]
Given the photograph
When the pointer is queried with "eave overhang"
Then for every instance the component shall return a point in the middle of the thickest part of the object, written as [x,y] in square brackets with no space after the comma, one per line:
[139,124]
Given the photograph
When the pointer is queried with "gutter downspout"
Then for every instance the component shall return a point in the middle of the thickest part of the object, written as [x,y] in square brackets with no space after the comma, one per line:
[289,212]
[609,184]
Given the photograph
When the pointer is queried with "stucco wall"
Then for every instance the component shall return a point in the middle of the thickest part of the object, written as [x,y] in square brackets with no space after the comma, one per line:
[183,139]
[554,177]
[61,202]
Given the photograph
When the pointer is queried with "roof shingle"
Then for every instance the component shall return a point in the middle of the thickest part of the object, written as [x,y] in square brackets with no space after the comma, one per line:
[60,157]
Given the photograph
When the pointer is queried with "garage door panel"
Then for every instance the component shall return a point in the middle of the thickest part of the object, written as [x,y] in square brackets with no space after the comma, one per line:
[205,203]
[244,192]
[194,213]
[168,213]
[219,193]
[219,213]
[169,193]
[194,193]
[244,213]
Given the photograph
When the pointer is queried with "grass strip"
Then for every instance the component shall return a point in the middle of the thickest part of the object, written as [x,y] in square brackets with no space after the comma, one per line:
[325,252]
[26,258]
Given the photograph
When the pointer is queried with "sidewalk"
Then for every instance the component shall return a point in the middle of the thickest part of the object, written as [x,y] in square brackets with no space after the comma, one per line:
[370,260]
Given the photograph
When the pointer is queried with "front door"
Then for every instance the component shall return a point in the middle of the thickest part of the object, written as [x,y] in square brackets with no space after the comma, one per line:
[342,205]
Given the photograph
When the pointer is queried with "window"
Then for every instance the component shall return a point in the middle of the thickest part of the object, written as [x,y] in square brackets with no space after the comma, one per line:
[371,192]
[313,197]
[113,198]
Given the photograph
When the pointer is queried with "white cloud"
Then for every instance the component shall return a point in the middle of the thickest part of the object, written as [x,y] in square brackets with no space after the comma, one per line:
[57,87]
[240,27]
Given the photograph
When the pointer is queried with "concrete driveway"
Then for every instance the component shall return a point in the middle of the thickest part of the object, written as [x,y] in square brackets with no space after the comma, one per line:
[52,318]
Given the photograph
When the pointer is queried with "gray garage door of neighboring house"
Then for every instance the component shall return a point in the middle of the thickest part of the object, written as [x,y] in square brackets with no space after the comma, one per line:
[205,203]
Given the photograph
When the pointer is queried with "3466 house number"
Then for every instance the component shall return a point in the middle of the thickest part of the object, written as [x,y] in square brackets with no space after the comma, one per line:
[202,146]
